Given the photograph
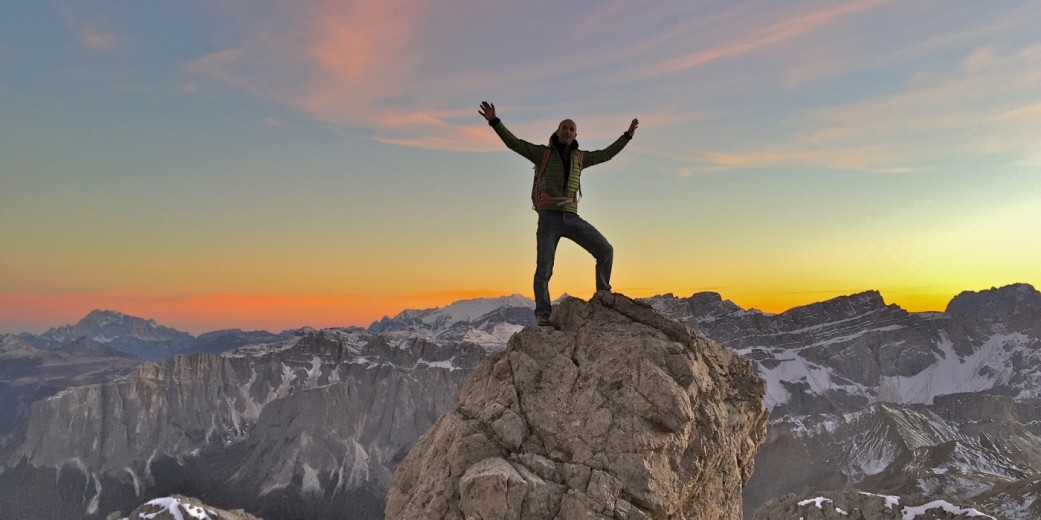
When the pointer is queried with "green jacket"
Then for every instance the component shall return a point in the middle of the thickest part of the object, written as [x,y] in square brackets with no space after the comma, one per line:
[553,193]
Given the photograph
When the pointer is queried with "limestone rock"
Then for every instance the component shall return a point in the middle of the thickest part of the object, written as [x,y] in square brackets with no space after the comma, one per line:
[619,414]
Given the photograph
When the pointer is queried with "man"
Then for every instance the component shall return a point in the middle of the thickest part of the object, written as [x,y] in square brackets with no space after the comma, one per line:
[555,194]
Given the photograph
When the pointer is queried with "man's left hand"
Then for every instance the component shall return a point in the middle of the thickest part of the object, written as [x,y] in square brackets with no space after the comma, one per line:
[632,127]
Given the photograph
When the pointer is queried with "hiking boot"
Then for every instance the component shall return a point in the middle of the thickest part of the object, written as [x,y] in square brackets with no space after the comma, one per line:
[543,320]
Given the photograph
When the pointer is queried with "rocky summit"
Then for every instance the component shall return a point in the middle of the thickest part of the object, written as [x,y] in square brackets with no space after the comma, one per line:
[617,413]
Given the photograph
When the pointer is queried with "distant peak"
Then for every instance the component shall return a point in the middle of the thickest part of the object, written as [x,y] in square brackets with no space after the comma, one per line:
[105,317]
[707,297]
[995,301]
[850,305]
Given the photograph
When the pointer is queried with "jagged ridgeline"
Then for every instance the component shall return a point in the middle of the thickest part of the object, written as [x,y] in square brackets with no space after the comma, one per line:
[312,424]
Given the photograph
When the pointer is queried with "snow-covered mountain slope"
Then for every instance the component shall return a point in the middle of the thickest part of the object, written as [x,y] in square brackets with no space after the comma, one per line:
[854,350]
[484,321]
[862,394]
[901,449]
[866,394]
[865,506]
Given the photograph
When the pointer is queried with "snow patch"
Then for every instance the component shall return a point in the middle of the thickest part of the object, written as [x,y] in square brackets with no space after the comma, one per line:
[796,369]
[137,481]
[470,310]
[173,507]
[910,513]
[989,366]
[815,501]
[315,372]
[891,501]
[311,484]
[95,501]
[263,349]
[439,364]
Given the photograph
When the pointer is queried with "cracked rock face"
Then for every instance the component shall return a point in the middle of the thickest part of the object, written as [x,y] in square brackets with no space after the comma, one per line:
[619,414]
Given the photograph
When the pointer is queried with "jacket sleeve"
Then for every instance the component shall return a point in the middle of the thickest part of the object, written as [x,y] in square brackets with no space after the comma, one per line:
[598,156]
[529,151]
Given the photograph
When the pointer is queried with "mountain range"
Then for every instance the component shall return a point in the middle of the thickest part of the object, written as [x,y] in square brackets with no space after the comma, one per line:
[143,338]
[862,394]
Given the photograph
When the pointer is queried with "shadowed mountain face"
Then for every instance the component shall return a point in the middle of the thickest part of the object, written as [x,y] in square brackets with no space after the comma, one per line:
[28,374]
[311,424]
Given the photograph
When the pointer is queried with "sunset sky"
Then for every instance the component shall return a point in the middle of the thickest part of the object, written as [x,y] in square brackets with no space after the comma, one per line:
[269,165]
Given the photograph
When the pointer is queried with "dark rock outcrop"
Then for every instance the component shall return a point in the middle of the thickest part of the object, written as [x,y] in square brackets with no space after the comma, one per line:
[995,302]
[621,413]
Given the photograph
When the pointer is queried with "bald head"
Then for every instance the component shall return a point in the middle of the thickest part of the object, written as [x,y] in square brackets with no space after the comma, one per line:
[566,132]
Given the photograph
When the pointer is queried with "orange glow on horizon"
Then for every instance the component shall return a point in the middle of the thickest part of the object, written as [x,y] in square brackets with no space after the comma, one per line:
[200,313]
[776,304]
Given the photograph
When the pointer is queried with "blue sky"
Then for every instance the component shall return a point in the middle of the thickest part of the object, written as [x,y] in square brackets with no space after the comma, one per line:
[323,162]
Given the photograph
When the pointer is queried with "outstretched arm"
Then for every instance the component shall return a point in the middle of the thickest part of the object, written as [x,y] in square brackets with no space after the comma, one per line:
[599,156]
[530,151]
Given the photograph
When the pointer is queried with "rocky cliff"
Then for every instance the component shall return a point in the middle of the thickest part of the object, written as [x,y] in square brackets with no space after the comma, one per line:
[310,426]
[28,374]
[865,394]
[621,413]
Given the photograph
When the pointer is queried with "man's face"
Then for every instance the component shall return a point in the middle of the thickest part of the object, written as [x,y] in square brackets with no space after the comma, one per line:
[566,131]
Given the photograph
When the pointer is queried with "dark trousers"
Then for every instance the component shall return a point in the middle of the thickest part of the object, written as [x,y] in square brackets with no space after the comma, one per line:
[556,224]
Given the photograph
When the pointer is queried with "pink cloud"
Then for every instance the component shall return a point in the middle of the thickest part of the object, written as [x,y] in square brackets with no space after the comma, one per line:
[340,62]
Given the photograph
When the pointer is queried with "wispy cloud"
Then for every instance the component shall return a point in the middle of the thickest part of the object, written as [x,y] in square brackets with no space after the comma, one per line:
[95,35]
[341,62]
[984,104]
[386,71]
[758,38]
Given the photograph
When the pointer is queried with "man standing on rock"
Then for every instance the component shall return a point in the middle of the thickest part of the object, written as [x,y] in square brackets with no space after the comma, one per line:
[554,194]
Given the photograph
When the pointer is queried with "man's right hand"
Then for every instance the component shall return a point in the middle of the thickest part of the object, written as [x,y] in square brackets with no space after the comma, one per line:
[487,110]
